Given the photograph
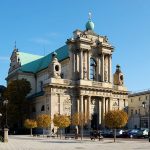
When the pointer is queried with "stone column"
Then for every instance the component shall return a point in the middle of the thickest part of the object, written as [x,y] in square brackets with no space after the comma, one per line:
[81,110]
[59,104]
[106,105]
[103,110]
[81,103]
[102,66]
[100,112]
[89,110]
[78,105]
[118,104]
[88,65]
[86,109]
[76,70]
[110,69]
[109,104]
[99,70]
[81,64]
[73,65]
[72,105]
[89,107]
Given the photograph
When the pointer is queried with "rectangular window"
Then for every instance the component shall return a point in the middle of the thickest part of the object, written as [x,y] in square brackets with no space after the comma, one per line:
[131,112]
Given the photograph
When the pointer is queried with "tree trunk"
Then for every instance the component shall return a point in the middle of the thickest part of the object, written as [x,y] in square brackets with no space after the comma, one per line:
[81,131]
[43,132]
[31,131]
[114,135]
[57,132]
[60,133]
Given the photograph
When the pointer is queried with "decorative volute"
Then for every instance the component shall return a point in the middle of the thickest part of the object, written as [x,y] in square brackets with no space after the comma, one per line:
[118,76]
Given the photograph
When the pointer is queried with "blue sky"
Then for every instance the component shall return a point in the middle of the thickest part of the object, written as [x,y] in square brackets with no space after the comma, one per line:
[41,26]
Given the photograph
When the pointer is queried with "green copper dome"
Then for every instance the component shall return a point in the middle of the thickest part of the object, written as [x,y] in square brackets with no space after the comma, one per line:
[89,25]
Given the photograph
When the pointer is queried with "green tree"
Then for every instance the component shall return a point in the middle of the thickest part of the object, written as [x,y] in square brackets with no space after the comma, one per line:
[79,119]
[116,119]
[43,121]
[18,106]
[61,121]
[30,124]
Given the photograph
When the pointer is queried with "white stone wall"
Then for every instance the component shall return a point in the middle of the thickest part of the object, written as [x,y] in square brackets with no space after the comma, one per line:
[65,69]
[136,109]
[41,77]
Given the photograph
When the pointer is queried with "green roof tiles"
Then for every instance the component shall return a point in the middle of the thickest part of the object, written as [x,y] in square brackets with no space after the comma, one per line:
[42,63]
[26,58]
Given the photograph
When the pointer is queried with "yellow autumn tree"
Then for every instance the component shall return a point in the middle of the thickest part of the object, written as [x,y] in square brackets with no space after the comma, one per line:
[116,119]
[61,121]
[43,121]
[30,124]
[79,119]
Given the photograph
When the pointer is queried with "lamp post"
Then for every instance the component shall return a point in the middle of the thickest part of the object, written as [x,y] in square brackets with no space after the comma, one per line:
[5,102]
[144,106]
[0,121]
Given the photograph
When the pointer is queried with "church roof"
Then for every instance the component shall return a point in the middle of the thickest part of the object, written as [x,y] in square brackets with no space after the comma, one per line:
[26,57]
[37,65]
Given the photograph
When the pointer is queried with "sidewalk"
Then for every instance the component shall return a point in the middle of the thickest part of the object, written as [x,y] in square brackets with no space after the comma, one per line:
[24,142]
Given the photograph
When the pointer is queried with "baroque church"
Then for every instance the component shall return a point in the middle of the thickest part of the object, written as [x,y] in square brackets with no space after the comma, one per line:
[76,77]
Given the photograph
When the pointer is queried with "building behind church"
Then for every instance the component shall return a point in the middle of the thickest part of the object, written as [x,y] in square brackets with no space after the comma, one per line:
[76,77]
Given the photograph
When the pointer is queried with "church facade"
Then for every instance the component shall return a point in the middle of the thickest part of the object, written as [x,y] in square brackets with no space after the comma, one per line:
[76,77]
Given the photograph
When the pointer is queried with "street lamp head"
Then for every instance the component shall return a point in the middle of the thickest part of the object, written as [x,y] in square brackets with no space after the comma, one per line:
[0,115]
[143,104]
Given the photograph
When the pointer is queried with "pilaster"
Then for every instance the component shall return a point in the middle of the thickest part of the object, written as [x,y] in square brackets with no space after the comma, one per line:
[81,64]
[88,65]
[110,69]
[102,67]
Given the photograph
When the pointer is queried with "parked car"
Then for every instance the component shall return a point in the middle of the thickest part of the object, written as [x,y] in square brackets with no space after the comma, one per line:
[133,133]
[107,133]
[110,133]
[143,133]
[119,133]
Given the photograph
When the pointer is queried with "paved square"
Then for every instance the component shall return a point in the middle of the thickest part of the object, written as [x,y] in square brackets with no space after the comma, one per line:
[40,143]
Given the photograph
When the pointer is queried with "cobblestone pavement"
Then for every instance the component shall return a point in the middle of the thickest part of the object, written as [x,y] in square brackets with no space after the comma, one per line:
[40,143]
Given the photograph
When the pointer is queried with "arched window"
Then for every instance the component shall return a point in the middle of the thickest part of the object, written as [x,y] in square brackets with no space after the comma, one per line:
[43,108]
[92,69]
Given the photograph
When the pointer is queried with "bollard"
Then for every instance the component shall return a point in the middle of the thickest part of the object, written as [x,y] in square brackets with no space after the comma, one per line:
[5,135]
